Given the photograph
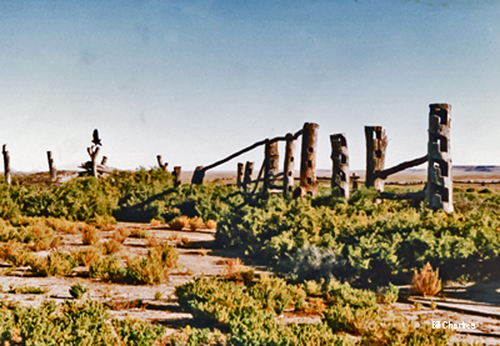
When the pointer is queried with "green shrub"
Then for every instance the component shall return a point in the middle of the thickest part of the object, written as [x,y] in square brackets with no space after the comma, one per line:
[77,291]
[155,267]
[108,268]
[134,332]
[56,263]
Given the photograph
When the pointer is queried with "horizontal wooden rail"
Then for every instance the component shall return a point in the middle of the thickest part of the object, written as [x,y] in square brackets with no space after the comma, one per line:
[401,167]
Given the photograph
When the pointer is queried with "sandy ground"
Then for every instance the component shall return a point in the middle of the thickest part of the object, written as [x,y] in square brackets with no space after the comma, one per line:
[482,306]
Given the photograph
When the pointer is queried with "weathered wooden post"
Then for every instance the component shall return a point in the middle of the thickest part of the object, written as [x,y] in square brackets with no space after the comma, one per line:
[104,160]
[354,179]
[160,163]
[308,180]
[177,176]
[248,175]
[289,165]
[376,144]
[239,174]
[340,158]
[6,164]
[439,180]
[271,164]
[198,175]
[93,152]
[52,167]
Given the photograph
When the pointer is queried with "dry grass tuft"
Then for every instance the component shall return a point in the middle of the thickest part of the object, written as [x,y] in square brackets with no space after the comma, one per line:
[211,224]
[235,270]
[154,223]
[111,246]
[427,282]
[90,235]
[196,223]
[179,223]
[87,256]
[138,233]
[121,234]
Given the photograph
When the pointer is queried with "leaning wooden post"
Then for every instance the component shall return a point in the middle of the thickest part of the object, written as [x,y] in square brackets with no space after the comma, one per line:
[248,175]
[6,164]
[104,160]
[239,174]
[308,180]
[439,180]
[289,165]
[177,175]
[340,158]
[52,167]
[376,144]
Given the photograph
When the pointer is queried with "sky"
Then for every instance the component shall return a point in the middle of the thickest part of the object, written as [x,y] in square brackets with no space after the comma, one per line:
[196,81]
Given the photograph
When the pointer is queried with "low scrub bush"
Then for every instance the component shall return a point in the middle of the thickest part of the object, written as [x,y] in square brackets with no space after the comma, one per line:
[155,267]
[56,263]
[108,268]
[87,256]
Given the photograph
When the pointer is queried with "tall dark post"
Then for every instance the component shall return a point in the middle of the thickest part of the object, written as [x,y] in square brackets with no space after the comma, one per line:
[340,158]
[439,180]
[289,166]
[177,175]
[376,144]
[239,174]
[6,164]
[52,167]
[248,175]
[308,180]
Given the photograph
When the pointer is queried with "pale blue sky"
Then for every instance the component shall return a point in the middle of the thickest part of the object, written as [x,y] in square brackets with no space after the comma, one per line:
[197,80]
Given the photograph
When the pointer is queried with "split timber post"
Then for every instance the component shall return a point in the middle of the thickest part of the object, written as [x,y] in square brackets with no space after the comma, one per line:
[340,158]
[376,144]
[289,166]
[177,176]
[239,176]
[308,180]
[271,162]
[52,167]
[439,179]
[6,164]
[160,163]
[247,178]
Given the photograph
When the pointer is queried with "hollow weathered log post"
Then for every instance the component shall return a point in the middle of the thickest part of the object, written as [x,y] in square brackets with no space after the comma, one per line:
[289,165]
[376,144]
[271,164]
[6,164]
[248,175]
[439,179]
[177,175]
[308,180]
[160,163]
[340,158]
[52,167]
